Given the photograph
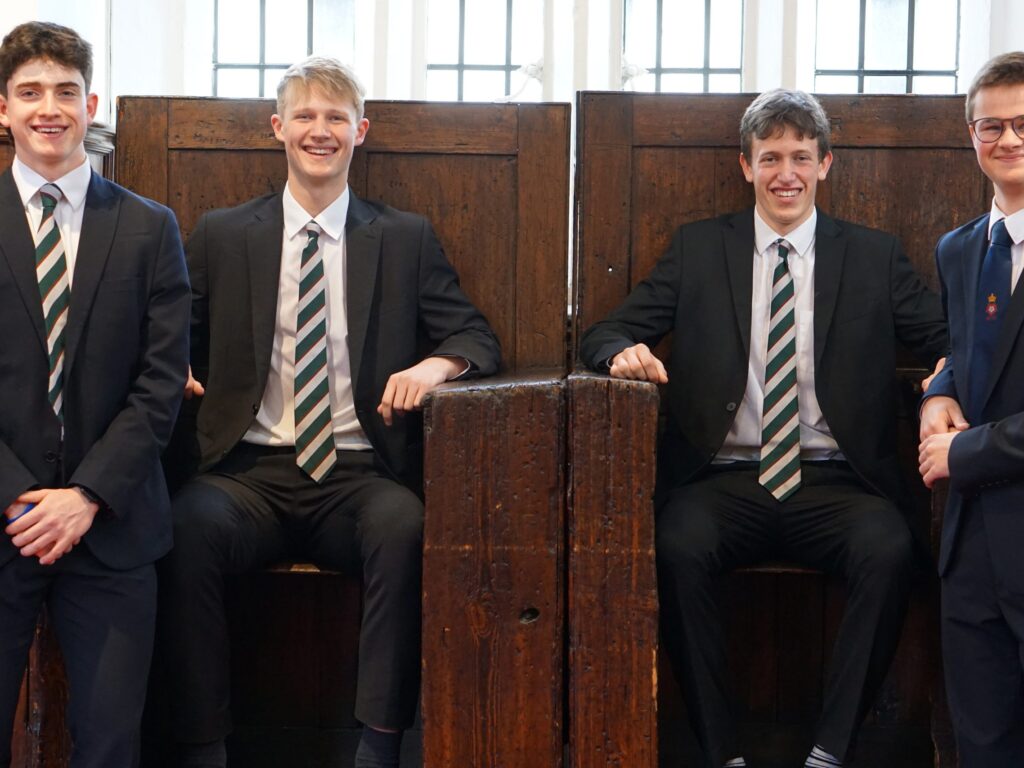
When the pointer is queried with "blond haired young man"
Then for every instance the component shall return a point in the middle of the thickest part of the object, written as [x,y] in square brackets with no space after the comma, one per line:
[307,309]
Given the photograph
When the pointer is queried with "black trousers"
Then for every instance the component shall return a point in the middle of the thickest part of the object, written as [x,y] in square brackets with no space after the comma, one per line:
[983,653]
[725,520]
[257,507]
[103,620]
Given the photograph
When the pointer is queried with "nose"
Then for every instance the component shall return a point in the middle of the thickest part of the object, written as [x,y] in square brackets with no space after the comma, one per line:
[48,103]
[787,169]
[321,127]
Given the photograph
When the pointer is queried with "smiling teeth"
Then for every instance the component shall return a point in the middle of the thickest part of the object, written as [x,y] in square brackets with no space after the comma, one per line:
[788,192]
[49,130]
[324,151]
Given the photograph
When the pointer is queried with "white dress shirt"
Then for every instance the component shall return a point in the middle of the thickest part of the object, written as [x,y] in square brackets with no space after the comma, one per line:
[74,185]
[275,422]
[1015,228]
[743,443]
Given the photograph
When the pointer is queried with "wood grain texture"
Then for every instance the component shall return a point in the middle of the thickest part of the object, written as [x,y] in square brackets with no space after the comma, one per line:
[141,159]
[493,574]
[613,601]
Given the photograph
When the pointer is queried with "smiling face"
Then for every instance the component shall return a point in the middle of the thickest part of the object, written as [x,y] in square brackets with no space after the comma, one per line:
[785,170]
[1003,160]
[319,132]
[48,111]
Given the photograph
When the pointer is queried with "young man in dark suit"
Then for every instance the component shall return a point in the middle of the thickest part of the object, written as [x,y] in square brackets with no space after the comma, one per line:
[94,306]
[972,431]
[308,307]
[782,400]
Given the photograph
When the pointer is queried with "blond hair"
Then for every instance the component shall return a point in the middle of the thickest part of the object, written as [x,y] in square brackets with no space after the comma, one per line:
[329,75]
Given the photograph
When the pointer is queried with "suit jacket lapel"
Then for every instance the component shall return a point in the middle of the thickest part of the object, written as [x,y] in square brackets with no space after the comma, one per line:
[973,250]
[362,256]
[739,250]
[18,250]
[263,254]
[99,222]
[829,255]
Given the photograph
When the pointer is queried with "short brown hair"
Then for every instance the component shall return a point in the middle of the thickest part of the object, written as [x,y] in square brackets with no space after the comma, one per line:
[328,74]
[770,113]
[44,40]
[1004,69]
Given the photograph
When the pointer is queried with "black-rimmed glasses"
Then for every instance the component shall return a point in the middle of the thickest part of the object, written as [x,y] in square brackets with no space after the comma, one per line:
[990,129]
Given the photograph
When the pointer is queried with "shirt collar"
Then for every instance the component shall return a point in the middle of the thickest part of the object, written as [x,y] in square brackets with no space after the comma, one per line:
[331,219]
[800,238]
[74,185]
[1014,223]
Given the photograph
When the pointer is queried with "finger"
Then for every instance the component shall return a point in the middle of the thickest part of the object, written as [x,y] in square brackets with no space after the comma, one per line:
[662,373]
[39,544]
[409,395]
[384,409]
[56,552]
[33,497]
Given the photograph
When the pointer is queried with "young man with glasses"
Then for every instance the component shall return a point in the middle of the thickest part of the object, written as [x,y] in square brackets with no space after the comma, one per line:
[972,431]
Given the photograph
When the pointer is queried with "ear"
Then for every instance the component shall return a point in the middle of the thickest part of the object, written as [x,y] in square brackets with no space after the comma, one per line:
[824,165]
[361,128]
[5,119]
[748,172]
[91,103]
[278,125]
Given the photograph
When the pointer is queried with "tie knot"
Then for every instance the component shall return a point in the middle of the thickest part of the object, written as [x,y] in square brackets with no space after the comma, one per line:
[1000,236]
[783,248]
[49,194]
[313,230]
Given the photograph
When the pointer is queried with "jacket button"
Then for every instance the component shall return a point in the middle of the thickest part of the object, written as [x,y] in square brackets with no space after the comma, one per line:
[50,456]
[730,407]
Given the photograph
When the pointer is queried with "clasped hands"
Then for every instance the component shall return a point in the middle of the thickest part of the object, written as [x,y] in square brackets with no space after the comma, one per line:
[54,526]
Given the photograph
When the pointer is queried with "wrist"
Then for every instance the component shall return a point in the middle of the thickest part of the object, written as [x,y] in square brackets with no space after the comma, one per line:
[89,496]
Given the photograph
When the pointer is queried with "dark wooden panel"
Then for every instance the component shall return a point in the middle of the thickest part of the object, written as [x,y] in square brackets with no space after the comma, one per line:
[604,168]
[713,120]
[493,574]
[613,601]
[460,196]
[200,181]
[141,162]
[543,240]
[443,128]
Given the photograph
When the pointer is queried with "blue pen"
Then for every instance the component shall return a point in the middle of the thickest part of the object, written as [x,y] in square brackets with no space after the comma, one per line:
[28,508]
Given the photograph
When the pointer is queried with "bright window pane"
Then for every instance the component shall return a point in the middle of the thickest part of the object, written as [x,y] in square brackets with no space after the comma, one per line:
[935,40]
[238,31]
[238,83]
[271,78]
[835,84]
[885,37]
[483,86]
[442,85]
[485,31]
[287,31]
[682,83]
[527,40]
[838,25]
[644,83]
[726,33]
[443,32]
[885,84]
[724,84]
[334,28]
[927,84]
[641,33]
[682,33]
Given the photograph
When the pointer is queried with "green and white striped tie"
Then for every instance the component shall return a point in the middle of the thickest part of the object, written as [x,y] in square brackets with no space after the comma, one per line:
[780,421]
[314,432]
[55,292]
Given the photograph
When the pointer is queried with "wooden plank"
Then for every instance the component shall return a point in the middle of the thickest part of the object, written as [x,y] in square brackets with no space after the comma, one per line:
[141,158]
[204,123]
[712,120]
[493,634]
[200,181]
[604,171]
[613,601]
[543,236]
[460,195]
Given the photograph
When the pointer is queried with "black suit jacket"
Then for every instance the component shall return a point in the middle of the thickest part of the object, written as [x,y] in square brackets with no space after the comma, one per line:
[400,291]
[986,462]
[124,368]
[866,297]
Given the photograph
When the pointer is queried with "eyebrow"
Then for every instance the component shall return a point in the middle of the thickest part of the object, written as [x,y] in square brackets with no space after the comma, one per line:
[37,84]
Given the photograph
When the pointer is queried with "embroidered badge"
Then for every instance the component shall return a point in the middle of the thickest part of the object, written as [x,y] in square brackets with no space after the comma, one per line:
[991,309]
